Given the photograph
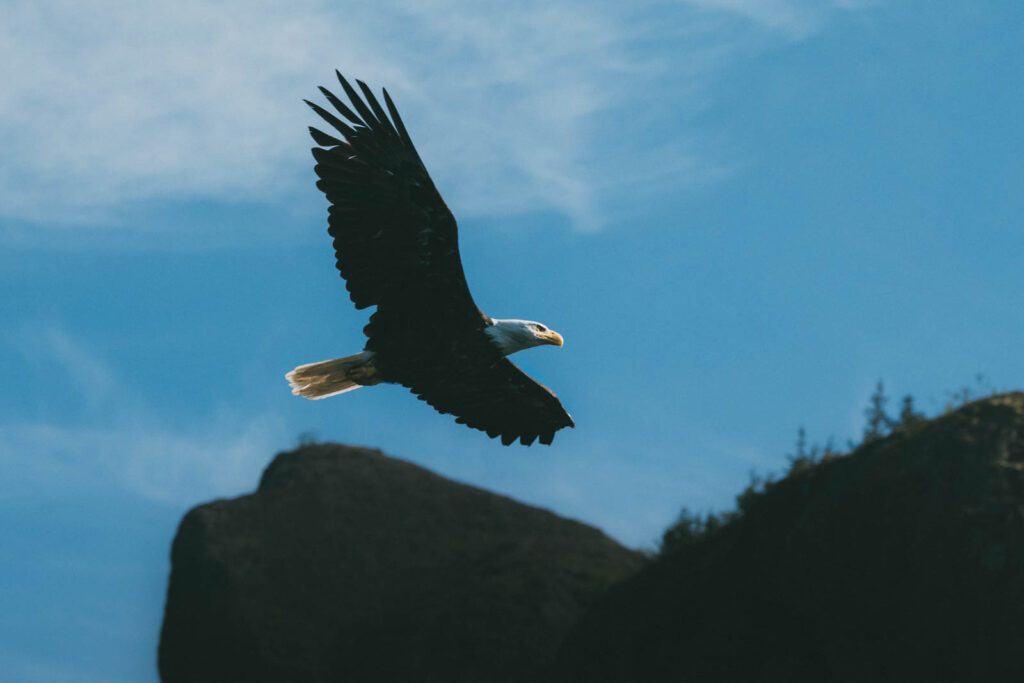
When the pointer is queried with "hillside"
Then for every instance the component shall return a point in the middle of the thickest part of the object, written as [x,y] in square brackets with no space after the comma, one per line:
[903,561]
[348,565]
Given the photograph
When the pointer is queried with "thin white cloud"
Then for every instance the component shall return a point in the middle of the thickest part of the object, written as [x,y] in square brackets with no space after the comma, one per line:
[795,17]
[116,439]
[64,365]
[141,456]
[107,103]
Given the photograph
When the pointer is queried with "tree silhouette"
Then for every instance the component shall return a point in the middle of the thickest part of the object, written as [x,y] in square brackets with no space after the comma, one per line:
[879,423]
[909,417]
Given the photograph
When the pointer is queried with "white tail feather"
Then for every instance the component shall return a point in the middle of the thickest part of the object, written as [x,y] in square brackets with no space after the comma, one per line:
[333,377]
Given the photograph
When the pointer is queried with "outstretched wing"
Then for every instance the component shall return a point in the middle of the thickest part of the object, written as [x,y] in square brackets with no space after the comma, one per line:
[495,397]
[396,245]
[393,234]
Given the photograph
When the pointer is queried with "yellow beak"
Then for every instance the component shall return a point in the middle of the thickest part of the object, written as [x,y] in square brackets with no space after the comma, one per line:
[552,337]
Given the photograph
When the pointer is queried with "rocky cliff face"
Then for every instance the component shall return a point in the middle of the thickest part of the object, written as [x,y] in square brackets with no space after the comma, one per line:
[903,561]
[348,565]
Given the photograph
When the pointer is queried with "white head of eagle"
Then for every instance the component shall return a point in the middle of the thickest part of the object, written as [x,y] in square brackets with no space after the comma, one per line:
[516,335]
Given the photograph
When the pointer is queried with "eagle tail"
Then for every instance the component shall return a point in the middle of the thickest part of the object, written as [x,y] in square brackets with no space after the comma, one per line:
[333,377]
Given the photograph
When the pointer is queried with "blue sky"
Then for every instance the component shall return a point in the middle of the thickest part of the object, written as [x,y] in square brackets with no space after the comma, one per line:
[740,214]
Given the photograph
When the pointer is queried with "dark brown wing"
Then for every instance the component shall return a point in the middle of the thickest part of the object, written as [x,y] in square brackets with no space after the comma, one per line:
[394,237]
[503,401]
[486,391]
[397,248]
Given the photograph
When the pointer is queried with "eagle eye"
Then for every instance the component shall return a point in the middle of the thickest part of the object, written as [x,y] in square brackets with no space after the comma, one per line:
[541,328]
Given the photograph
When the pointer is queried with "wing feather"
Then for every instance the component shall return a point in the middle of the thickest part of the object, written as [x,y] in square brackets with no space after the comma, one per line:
[323,138]
[341,107]
[399,124]
[331,119]
[378,112]
[364,112]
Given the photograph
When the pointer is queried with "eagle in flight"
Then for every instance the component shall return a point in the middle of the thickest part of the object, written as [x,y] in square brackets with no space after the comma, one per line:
[397,247]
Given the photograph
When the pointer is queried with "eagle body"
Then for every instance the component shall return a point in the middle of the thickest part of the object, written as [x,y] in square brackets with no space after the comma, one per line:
[396,246]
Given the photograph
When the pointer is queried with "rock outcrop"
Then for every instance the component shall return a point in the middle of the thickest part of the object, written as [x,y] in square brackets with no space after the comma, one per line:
[903,561]
[348,565]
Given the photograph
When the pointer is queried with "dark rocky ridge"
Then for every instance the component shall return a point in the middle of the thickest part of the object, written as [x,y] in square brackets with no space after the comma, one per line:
[347,565]
[903,561]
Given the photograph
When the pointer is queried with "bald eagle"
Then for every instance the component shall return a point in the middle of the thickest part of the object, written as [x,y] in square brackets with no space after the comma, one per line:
[396,245]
